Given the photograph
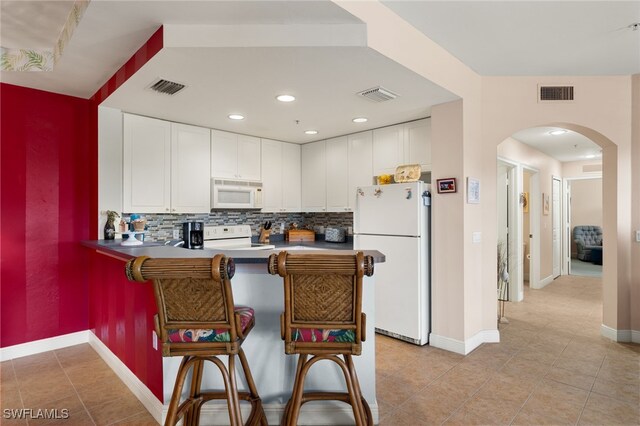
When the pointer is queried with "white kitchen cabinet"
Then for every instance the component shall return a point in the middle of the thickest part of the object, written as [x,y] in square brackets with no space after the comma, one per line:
[235,156]
[360,164]
[408,143]
[337,166]
[417,143]
[190,169]
[291,178]
[388,149]
[166,166]
[314,171]
[146,165]
[280,176]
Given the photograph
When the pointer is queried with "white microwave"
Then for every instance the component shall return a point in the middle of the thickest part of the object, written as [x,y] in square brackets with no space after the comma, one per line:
[235,194]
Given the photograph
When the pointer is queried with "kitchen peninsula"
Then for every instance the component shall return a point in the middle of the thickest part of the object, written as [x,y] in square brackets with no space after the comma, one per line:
[121,315]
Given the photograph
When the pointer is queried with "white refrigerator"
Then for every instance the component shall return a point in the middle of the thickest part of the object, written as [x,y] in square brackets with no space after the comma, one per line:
[395,220]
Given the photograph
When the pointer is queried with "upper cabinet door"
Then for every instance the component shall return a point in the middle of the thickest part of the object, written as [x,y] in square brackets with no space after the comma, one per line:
[190,169]
[147,165]
[224,154]
[360,164]
[248,158]
[291,178]
[417,137]
[337,157]
[314,174]
[388,149]
[272,160]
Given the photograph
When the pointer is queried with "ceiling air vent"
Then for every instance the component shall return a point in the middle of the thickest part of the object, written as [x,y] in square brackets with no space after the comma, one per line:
[167,87]
[556,93]
[378,94]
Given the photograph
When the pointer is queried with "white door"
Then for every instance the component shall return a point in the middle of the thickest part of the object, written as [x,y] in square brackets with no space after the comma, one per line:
[360,165]
[390,210]
[388,149]
[146,165]
[314,181]
[290,177]
[402,295]
[337,160]
[557,227]
[271,176]
[190,169]
[224,154]
[248,157]
[417,142]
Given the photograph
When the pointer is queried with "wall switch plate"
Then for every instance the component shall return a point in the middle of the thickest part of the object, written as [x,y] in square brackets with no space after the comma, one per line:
[176,234]
[476,237]
[154,340]
[350,230]
[637,236]
[282,227]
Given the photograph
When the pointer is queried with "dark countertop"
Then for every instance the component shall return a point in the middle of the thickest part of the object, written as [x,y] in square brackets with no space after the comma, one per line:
[159,250]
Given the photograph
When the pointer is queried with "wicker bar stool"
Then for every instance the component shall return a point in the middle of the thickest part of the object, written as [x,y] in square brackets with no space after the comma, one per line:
[198,320]
[323,319]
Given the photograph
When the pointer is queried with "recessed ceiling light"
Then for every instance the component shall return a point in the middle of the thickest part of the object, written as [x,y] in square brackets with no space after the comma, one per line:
[590,156]
[236,117]
[286,98]
[558,132]
[310,132]
[360,120]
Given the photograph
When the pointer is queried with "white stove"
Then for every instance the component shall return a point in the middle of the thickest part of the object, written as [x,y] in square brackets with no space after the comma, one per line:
[233,237]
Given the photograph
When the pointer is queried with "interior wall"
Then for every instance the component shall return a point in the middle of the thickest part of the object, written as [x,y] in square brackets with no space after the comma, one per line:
[634,300]
[586,205]
[45,194]
[547,168]
[526,224]
[602,112]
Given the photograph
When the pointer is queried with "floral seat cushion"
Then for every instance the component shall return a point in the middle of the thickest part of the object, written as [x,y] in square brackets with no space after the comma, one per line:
[210,335]
[318,335]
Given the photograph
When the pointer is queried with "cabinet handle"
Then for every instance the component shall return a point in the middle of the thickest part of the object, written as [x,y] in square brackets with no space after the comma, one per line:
[173,210]
[167,209]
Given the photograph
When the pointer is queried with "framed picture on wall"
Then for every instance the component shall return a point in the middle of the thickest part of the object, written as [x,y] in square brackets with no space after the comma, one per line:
[545,203]
[473,190]
[446,185]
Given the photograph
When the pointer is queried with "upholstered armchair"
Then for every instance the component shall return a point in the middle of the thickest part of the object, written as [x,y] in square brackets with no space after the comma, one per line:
[586,238]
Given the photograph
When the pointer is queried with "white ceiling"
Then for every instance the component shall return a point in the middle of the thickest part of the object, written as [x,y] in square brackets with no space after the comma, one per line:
[324,80]
[493,38]
[509,38]
[569,146]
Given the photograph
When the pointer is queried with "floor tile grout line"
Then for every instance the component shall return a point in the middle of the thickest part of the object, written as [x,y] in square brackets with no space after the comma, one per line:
[74,388]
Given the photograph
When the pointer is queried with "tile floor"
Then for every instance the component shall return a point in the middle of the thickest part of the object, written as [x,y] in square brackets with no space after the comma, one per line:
[552,367]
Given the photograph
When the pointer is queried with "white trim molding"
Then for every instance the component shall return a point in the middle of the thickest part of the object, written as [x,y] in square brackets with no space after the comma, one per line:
[44,345]
[543,282]
[623,336]
[464,347]
[139,389]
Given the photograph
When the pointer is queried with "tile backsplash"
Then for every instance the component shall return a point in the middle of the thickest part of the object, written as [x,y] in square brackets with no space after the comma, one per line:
[161,226]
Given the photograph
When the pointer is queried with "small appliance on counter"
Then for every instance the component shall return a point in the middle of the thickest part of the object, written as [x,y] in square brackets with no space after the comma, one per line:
[335,235]
[193,235]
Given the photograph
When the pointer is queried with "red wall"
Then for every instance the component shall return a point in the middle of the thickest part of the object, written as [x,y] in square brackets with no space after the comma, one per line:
[45,213]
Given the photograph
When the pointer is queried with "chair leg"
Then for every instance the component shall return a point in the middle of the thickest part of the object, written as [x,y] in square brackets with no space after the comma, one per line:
[192,417]
[234,389]
[256,402]
[292,411]
[363,406]
[227,388]
[353,396]
[177,392]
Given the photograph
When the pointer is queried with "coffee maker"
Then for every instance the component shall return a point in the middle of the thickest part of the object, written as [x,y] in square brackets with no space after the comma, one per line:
[193,235]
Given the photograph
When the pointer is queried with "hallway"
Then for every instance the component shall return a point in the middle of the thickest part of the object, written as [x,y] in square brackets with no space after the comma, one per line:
[551,367]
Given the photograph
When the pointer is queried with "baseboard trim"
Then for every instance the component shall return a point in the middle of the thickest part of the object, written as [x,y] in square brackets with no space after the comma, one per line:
[464,347]
[623,336]
[44,345]
[139,389]
[543,282]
